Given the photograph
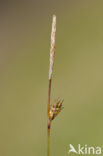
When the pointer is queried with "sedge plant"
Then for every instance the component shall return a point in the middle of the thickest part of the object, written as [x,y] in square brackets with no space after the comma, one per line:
[54,109]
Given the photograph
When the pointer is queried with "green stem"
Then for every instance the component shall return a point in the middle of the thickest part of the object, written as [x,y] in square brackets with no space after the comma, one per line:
[49,142]
[48,149]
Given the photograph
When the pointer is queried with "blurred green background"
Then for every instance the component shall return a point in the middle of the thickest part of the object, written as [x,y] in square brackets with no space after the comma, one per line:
[25,28]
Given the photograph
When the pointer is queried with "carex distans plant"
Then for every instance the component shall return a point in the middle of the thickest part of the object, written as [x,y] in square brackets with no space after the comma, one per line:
[56,107]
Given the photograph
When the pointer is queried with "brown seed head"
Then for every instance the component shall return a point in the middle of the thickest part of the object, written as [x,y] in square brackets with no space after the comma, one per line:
[55,109]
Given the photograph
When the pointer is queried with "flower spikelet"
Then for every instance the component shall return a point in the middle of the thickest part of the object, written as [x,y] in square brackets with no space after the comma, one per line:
[56,109]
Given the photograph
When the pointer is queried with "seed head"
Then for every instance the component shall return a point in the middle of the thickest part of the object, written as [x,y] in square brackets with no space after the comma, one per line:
[55,109]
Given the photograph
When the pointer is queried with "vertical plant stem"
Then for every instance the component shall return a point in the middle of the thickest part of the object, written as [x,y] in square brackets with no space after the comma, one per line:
[48,152]
[52,52]
[49,124]
[49,93]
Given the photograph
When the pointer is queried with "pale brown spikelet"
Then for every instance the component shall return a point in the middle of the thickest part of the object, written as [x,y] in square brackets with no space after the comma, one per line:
[52,47]
[56,109]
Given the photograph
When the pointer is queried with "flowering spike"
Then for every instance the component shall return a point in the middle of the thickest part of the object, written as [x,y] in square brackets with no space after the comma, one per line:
[56,109]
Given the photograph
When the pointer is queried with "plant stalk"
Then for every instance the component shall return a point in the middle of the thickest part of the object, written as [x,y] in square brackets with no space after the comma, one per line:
[49,128]
[52,52]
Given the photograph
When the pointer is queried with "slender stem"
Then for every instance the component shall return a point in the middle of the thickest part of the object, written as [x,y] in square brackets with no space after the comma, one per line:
[48,142]
[49,122]
[49,93]
[49,126]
